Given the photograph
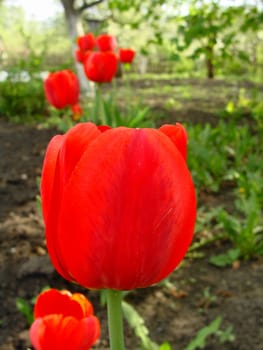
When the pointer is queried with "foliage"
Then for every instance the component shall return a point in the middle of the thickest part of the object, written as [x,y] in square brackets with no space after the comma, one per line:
[199,342]
[205,157]
[212,30]
[244,230]
[25,309]
[135,116]
[22,101]
[137,323]
[225,259]
[221,153]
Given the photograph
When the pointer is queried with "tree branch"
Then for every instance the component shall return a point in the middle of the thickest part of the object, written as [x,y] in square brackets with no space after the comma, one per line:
[87,5]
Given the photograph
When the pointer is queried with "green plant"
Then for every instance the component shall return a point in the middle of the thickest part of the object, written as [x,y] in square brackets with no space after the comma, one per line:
[25,309]
[245,231]
[225,259]
[206,229]
[208,298]
[22,101]
[199,342]
[136,116]
[137,323]
[205,157]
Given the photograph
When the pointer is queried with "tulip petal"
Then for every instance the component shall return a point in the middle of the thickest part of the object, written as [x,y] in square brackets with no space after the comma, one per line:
[91,332]
[62,156]
[45,331]
[178,136]
[53,301]
[36,333]
[86,306]
[48,173]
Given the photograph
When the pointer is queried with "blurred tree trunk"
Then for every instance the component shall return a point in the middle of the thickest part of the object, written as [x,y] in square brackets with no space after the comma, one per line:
[75,29]
[210,73]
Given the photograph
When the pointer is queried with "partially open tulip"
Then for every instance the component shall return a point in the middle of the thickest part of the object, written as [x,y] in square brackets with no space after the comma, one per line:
[86,42]
[118,204]
[63,321]
[126,55]
[106,42]
[62,89]
[101,67]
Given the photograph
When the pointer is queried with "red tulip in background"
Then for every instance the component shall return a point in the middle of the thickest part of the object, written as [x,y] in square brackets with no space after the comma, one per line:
[63,321]
[106,42]
[62,89]
[86,42]
[118,204]
[126,55]
[79,55]
[101,67]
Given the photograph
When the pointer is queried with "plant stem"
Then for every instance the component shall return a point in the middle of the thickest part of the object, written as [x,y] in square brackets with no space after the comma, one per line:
[114,299]
[99,114]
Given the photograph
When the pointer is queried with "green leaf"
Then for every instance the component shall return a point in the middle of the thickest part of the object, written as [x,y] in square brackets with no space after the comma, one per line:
[200,340]
[137,323]
[24,308]
[136,121]
[226,259]
[165,346]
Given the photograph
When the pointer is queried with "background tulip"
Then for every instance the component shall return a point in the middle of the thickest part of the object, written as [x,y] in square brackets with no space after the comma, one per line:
[86,42]
[119,206]
[79,55]
[62,89]
[63,321]
[106,42]
[101,67]
[126,55]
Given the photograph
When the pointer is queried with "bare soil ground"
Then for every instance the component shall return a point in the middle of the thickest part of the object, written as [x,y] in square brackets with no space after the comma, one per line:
[172,313]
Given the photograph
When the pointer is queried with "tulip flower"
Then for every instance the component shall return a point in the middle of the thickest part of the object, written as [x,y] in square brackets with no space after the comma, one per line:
[62,89]
[79,55]
[86,42]
[63,321]
[126,55]
[118,204]
[82,56]
[106,42]
[101,67]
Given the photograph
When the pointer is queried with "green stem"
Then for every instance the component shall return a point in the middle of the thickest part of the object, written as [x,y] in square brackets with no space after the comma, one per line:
[128,94]
[114,299]
[99,114]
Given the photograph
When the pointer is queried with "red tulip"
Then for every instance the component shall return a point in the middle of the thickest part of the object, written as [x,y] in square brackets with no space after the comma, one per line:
[101,67]
[79,55]
[118,204]
[62,89]
[86,42]
[77,112]
[82,56]
[106,42]
[126,55]
[63,321]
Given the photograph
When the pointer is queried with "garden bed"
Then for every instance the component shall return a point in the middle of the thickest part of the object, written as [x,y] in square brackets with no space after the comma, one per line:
[195,294]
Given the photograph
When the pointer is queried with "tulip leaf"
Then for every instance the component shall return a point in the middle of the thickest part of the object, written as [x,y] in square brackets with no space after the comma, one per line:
[165,346]
[26,309]
[199,341]
[137,323]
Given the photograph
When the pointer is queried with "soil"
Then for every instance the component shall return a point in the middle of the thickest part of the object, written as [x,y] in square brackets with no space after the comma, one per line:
[197,292]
